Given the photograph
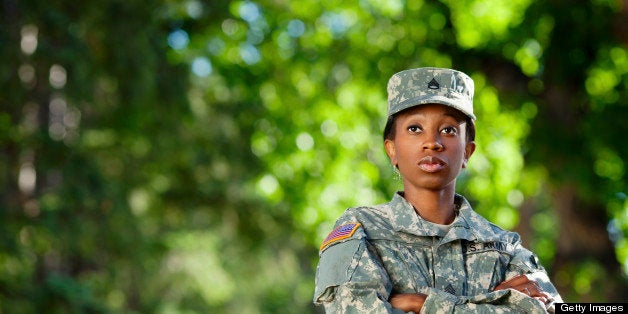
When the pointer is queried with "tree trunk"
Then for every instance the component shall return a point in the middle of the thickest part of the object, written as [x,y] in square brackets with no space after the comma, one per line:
[582,243]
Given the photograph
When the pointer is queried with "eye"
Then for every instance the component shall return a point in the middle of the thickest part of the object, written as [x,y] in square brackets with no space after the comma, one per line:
[450,130]
[414,129]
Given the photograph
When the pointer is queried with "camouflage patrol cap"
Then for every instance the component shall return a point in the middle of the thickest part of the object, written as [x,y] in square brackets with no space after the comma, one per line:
[421,86]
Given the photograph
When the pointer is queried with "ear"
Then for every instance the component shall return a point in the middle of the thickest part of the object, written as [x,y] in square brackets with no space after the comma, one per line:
[468,151]
[389,145]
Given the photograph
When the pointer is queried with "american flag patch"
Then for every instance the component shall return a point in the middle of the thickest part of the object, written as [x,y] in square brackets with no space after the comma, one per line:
[340,233]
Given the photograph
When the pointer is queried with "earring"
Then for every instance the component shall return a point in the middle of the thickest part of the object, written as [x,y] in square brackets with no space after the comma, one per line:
[396,172]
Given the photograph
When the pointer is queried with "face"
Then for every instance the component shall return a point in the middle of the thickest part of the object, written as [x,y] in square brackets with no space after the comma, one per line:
[429,147]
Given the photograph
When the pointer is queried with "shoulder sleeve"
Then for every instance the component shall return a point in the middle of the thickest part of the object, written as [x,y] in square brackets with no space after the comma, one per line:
[350,277]
[336,265]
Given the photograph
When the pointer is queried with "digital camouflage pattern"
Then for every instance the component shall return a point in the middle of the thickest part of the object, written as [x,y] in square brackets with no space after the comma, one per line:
[396,251]
[430,86]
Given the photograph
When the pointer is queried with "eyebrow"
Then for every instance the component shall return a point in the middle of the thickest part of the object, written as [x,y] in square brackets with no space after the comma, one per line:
[457,116]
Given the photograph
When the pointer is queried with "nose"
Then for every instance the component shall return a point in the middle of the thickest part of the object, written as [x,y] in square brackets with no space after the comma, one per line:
[433,143]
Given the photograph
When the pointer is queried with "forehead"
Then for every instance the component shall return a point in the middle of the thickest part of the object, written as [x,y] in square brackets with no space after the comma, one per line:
[433,109]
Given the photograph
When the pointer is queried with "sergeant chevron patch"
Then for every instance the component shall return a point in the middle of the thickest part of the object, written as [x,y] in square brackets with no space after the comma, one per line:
[450,289]
[340,233]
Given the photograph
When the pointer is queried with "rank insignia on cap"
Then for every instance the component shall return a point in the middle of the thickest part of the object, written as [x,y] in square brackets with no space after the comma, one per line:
[433,84]
[340,233]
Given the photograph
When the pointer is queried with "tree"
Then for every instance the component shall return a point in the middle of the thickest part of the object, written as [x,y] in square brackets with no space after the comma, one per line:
[188,156]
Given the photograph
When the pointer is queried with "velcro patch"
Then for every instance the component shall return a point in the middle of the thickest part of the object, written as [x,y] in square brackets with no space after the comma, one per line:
[340,233]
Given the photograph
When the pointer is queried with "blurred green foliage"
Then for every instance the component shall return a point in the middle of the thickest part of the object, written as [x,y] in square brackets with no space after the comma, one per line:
[189,156]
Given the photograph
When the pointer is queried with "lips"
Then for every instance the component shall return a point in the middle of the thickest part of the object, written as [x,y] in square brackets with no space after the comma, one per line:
[431,164]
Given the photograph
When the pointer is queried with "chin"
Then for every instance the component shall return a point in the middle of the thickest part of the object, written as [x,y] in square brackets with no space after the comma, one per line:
[431,185]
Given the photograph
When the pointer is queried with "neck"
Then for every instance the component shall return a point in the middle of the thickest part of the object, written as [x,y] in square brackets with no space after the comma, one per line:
[433,206]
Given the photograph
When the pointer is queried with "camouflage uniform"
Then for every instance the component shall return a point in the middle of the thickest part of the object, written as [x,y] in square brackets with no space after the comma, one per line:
[390,249]
[379,250]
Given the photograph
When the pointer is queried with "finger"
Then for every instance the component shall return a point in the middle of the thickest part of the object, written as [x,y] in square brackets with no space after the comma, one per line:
[542,294]
[542,299]
[534,291]
[519,280]
[535,285]
[513,282]
[531,290]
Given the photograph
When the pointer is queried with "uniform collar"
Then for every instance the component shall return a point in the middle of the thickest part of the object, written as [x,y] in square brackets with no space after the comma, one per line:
[468,224]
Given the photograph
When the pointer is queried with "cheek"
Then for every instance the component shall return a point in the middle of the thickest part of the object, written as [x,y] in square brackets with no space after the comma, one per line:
[460,154]
[406,150]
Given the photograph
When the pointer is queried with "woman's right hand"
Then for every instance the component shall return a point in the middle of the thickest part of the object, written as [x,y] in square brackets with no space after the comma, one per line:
[408,302]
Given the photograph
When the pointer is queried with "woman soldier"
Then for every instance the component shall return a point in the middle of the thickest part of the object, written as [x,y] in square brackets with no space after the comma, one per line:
[427,249]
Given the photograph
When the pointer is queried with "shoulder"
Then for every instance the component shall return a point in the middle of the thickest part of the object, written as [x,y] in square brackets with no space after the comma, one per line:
[343,232]
[485,230]
[358,223]
[505,235]
[495,237]
[340,253]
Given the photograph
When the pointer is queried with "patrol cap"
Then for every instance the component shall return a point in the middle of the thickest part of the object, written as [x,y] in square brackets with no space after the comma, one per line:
[421,86]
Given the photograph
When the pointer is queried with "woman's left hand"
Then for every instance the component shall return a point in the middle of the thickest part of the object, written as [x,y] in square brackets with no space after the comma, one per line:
[524,284]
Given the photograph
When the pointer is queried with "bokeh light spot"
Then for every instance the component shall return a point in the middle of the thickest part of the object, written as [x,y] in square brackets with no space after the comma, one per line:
[178,39]
[202,67]
[305,141]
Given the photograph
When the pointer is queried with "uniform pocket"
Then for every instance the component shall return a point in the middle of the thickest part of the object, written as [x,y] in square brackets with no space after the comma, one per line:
[485,270]
[407,266]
